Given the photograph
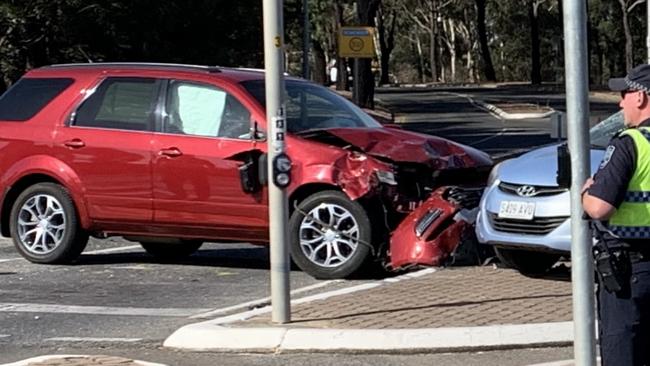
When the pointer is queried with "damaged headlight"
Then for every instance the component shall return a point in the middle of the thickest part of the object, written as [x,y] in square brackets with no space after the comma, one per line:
[386,177]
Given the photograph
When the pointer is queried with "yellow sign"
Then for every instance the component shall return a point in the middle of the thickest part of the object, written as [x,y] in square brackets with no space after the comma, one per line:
[357,42]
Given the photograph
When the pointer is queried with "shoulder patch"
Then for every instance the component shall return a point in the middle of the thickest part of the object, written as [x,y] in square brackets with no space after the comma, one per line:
[608,156]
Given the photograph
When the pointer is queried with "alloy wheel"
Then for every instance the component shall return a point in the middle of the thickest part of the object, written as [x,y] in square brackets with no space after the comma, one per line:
[41,224]
[329,235]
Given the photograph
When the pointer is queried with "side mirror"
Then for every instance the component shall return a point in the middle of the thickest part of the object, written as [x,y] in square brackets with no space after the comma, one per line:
[256,133]
[563,177]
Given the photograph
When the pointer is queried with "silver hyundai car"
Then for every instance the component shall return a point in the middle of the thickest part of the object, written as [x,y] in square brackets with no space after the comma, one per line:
[524,213]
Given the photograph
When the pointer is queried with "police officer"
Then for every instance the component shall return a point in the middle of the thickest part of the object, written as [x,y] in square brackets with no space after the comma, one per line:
[619,193]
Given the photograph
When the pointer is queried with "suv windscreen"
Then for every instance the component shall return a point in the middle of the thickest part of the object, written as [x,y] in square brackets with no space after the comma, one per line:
[29,95]
[600,134]
[120,103]
[310,106]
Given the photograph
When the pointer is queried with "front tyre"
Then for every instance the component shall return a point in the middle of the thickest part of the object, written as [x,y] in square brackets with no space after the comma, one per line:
[528,263]
[44,225]
[330,235]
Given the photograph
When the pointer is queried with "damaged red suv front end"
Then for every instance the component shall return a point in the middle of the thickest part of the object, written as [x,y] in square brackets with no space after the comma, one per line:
[422,191]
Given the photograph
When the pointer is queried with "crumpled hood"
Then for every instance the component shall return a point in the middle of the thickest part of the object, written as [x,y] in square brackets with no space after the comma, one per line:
[539,167]
[405,146]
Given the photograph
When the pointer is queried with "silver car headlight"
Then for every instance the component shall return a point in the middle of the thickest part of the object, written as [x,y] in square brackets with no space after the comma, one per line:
[386,177]
[494,174]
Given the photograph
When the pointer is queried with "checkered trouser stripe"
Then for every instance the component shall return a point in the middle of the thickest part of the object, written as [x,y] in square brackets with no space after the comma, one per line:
[631,232]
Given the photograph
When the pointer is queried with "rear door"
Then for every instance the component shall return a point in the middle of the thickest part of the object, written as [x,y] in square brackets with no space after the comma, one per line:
[107,143]
[196,180]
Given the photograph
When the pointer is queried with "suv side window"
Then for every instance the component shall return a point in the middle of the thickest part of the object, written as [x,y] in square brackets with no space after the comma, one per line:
[29,95]
[204,110]
[120,103]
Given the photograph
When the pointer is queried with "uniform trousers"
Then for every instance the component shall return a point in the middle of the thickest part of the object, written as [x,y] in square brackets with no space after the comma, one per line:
[624,321]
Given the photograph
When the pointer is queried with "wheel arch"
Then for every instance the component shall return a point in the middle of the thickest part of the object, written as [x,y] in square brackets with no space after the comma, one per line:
[17,181]
[306,190]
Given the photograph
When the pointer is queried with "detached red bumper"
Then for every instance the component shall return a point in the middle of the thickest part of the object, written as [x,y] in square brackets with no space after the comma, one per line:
[429,234]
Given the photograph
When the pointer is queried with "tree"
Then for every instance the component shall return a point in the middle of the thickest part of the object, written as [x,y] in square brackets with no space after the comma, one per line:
[488,68]
[366,12]
[387,15]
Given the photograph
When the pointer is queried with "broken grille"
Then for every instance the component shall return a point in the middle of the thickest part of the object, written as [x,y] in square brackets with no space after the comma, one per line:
[536,226]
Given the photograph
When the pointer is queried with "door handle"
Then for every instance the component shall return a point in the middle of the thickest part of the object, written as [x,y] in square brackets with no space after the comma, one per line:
[171,152]
[74,143]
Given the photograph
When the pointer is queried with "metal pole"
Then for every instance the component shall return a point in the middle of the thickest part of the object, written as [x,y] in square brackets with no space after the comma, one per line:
[356,95]
[275,120]
[647,25]
[305,40]
[577,89]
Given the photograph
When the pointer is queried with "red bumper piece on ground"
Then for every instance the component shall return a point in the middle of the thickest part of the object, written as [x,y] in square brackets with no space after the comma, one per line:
[429,234]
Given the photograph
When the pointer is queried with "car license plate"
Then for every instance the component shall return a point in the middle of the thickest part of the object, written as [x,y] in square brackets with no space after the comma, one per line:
[517,210]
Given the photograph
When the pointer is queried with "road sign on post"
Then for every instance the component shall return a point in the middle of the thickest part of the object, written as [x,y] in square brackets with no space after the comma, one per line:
[278,162]
[357,42]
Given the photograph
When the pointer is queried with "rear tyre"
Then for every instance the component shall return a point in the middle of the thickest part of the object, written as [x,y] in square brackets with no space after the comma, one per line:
[330,235]
[172,251]
[44,225]
[528,263]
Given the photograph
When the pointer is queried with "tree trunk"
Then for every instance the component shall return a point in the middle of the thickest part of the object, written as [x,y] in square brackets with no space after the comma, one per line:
[386,42]
[319,73]
[535,72]
[488,67]
[423,77]
[628,36]
[341,64]
[433,32]
[366,11]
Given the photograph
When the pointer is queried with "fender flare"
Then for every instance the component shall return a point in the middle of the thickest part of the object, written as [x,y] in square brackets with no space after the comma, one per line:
[53,168]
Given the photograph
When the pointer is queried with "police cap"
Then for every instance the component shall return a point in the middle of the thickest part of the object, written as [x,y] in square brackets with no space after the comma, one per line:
[637,79]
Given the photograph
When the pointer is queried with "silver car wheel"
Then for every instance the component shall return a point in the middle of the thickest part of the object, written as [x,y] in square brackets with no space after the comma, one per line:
[41,224]
[329,235]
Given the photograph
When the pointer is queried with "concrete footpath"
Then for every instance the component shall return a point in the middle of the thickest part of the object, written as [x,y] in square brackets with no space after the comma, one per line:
[460,308]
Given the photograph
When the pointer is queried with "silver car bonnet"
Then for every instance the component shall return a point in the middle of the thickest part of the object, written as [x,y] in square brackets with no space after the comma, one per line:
[539,167]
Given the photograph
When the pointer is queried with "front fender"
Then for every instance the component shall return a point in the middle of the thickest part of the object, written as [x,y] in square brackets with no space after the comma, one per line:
[353,172]
[54,168]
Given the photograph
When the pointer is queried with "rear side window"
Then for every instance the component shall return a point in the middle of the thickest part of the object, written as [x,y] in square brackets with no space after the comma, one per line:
[120,103]
[29,95]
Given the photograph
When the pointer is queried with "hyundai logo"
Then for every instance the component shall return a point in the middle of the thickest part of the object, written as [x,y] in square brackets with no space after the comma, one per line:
[526,191]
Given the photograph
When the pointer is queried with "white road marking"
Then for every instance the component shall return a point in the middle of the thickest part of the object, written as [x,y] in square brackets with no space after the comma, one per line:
[5,335]
[260,302]
[99,251]
[111,250]
[92,339]
[324,295]
[98,310]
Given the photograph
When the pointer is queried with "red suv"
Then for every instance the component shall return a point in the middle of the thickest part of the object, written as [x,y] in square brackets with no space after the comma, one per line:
[170,156]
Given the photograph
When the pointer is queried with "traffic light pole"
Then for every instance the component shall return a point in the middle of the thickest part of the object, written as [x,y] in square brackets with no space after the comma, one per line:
[277,160]
[577,91]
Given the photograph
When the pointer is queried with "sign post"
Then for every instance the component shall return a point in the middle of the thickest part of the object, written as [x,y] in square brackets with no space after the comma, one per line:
[356,42]
[577,103]
[279,164]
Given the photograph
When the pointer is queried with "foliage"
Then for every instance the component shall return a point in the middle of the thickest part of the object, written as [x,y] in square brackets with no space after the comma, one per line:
[435,40]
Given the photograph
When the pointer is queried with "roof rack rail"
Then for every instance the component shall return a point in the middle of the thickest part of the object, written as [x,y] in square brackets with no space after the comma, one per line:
[210,69]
